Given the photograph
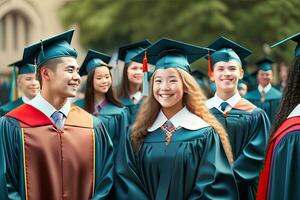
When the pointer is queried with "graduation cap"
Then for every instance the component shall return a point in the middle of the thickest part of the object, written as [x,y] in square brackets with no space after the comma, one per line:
[264,64]
[93,60]
[54,47]
[227,50]
[128,51]
[199,74]
[166,53]
[295,38]
[24,67]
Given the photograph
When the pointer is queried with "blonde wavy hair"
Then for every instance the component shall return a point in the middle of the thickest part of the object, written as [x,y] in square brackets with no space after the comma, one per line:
[193,100]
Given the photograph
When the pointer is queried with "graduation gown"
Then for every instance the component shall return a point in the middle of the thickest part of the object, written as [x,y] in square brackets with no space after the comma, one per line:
[115,120]
[132,108]
[192,166]
[39,161]
[280,177]
[271,103]
[10,106]
[248,129]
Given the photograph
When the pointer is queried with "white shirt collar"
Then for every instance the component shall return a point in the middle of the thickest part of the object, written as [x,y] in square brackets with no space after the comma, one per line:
[266,89]
[295,112]
[216,102]
[184,118]
[25,99]
[137,96]
[45,107]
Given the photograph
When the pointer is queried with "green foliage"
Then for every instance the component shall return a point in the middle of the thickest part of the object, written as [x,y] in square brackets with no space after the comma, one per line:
[106,24]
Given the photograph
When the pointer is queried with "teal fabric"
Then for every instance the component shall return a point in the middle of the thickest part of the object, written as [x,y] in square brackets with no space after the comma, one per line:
[115,120]
[295,38]
[54,47]
[226,50]
[192,166]
[248,134]
[175,60]
[104,163]
[270,105]
[224,55]
[11,163]
[93,60]
[166,53]
[264,64]
[24,67]
[10,106]
[129,51]
[132,108]
[284,172]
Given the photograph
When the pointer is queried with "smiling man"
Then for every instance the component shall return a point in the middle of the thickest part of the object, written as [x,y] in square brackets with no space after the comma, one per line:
[247,126]
[265,96]
[26,82]
[50,149]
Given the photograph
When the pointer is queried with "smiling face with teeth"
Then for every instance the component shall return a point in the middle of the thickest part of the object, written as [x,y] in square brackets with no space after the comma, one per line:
[168,90]
[102,80]
[226,76]
[62,79]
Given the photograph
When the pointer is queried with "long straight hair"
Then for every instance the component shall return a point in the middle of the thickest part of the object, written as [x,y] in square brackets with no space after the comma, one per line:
[193,100]
[124,89]
[90,94]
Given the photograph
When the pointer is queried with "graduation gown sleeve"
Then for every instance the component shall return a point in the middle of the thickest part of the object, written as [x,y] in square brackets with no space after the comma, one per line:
[216,181]
[284,174]
[116,122]
[11,150]
[192,166]
[248,164]
[103,161]
[127,182]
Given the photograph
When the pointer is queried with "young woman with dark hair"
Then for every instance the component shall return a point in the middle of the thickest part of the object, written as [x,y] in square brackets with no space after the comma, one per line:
[100,99]
[280,177]
[247,125]
[132,80]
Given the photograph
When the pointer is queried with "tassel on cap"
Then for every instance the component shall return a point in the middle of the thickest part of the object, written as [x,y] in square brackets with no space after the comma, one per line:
[145,77]
[209,70]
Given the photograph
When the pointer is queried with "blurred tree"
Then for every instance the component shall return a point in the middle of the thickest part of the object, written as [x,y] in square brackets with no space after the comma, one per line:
[106,24]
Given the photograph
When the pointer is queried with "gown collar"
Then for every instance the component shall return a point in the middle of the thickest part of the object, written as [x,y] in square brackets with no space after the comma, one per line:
[184,118]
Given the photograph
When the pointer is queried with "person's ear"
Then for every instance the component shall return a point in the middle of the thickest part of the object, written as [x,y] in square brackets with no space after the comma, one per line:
[45,73]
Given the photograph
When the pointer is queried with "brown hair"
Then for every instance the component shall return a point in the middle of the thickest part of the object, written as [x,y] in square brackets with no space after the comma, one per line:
[90,94]
[124,89]
[193,100]
[50,64]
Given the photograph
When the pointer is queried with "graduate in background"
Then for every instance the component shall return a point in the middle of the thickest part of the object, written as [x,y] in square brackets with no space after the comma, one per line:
[26,82]
[49,148]
[100,99]
[242,88]
[265,96]
[203,81]
[132,79]
[280,177]
[177,149]
[247,126]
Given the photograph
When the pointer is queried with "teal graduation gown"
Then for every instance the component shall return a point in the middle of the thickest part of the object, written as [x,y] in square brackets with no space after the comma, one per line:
[115,120]
[192,166]
[10,106]
[56,164]
[271,103]
[132,108]
[285,174]
[248,129]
